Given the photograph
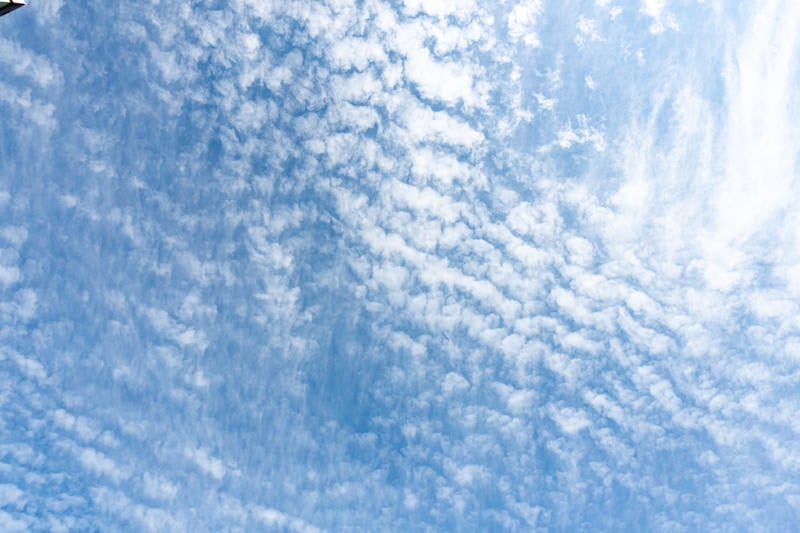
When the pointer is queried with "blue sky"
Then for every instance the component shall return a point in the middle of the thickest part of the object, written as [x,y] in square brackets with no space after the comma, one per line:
[417,265]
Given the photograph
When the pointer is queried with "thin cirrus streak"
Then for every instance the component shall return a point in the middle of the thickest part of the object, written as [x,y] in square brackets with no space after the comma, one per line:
[422,265]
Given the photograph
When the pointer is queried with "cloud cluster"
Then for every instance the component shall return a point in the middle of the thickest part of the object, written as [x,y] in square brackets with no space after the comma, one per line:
[421,265]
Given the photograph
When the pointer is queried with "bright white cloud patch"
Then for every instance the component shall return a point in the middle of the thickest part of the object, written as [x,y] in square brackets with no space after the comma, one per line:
[522,22]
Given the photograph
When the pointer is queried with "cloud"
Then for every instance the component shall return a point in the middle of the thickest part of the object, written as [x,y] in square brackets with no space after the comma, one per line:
[25,62]
[10,495]
[276,519]
[10,523]
[461,9]
[662,18]
[207,463]
[522,22]
[422,265]
[158,488]
[100,464]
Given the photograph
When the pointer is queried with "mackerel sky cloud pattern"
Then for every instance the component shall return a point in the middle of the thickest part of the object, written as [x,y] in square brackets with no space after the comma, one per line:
[387,265]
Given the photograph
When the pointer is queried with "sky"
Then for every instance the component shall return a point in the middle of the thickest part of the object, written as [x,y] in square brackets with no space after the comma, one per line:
[400,265]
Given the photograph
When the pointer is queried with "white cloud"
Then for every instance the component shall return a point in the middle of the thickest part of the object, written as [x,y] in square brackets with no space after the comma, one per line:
[662,19]
[568,419]
[158,488]
[423,124]
[85,428]
[461,9]
[444,81]
[275,519]
[24,62]
[184,336]
[583,134]
[12,524]
[357,53]
[100,464]
[523,21]
[11,495]
[453,383]
[28,366]
[149,518]
[207,463]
